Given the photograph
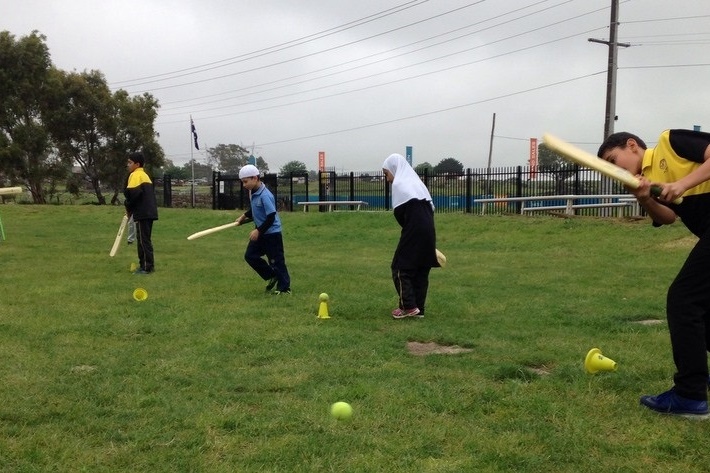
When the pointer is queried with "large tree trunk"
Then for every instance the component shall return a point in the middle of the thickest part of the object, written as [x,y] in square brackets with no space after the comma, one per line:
[97,190]
[37,192]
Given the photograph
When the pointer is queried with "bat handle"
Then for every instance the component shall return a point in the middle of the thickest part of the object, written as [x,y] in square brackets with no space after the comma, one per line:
[656,192]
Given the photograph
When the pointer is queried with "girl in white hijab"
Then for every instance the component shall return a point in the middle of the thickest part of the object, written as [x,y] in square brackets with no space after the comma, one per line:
[416,251]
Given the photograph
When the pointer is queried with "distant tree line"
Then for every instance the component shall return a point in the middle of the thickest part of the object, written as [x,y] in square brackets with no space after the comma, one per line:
[69,129]
[52,120]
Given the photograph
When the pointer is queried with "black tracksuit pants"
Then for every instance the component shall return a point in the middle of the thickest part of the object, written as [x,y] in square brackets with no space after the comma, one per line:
[688,313]
[412,286]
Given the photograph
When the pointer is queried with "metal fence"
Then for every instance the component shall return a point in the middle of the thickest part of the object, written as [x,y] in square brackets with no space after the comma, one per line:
[451,192]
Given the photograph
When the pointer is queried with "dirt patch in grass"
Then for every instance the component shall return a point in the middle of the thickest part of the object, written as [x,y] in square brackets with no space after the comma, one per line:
[649,322]
[541,370]
[433,348]
[686,242]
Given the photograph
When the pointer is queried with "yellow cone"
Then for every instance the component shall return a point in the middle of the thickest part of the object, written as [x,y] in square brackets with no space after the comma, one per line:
[595,362]
[140,294]
[323,307]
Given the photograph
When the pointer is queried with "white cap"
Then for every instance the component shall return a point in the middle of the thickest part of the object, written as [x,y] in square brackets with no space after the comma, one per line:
[248,171]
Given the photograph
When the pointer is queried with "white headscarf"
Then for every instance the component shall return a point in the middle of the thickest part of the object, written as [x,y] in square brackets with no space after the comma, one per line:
[406,184]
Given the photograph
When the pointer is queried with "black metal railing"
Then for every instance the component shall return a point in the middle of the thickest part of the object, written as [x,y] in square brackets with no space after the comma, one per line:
[451,191]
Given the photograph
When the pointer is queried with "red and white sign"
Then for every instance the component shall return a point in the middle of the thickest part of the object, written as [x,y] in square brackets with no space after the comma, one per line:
[533,158]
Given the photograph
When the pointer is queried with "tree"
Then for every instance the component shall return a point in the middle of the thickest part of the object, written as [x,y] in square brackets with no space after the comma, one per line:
[175,172]
[97,130]
[202,171]
[133,130]
[78,124]
[448,166]
[295,167]
[261,165]
[230,158]
[227,158]
[28,92]
[423,168]
[555,165]
[51,120]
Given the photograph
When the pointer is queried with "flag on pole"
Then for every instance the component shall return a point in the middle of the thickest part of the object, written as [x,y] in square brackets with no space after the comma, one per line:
[194,133]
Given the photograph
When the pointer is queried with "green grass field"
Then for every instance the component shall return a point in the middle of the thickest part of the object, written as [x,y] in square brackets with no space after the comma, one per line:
[210,374]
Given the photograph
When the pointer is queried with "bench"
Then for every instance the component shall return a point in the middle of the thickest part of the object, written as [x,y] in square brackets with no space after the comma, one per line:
[332,203]
[569,209]
[625,201]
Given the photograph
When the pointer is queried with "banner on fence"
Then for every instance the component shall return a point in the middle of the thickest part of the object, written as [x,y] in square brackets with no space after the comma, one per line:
[533,158]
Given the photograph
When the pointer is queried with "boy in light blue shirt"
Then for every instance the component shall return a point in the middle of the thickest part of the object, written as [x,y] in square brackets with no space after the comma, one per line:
[266,239]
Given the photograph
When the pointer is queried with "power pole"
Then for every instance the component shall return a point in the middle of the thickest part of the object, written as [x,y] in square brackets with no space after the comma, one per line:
[610,115]
[490,156]
[611,68]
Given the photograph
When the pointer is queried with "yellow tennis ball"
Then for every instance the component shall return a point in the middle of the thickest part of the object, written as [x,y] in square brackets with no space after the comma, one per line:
[341,410]
[323,297]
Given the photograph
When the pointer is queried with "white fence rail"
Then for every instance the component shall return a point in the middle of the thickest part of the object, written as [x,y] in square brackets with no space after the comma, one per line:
[620,202]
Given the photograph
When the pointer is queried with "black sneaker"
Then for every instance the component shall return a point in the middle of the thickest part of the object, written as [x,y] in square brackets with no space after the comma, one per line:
[271,284]
[279,293]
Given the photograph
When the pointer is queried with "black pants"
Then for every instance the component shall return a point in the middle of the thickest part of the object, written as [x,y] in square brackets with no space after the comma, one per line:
[688,312]
[270,245]
[144,230]
[412,286]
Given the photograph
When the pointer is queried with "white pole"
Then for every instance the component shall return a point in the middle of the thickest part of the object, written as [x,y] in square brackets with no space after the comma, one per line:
[192,163]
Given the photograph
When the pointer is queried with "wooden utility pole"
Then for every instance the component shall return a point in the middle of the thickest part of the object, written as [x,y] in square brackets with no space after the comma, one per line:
[612,66]
[490,156]
[610,114]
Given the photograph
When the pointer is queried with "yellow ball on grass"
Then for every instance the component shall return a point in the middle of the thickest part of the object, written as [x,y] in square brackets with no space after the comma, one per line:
[341,410]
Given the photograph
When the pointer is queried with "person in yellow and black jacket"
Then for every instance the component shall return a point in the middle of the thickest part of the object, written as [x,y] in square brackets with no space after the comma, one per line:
[680,165]
[140,204]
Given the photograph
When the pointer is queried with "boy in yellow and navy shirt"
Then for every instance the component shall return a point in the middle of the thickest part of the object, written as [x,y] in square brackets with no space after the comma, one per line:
[680,166]
[140,204]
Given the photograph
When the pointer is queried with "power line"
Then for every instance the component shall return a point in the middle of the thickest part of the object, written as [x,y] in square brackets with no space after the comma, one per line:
[370,76]
[665,66]
[695,17]
[401,67]
[433,112]
[286,61]
[384,52]
[282,46]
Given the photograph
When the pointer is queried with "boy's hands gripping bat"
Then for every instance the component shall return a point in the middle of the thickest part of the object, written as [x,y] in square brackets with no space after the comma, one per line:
[588,160]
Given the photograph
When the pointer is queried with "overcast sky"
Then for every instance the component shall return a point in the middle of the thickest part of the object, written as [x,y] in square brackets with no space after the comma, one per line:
[361,79]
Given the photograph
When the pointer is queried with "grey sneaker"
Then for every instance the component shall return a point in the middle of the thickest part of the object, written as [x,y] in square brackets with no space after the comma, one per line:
[403,313]
[279,293]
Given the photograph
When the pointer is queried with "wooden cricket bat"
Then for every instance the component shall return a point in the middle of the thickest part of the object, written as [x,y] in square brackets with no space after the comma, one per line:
[440,258]
[588,160]
[212,230]
[119,235]
[10,190]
